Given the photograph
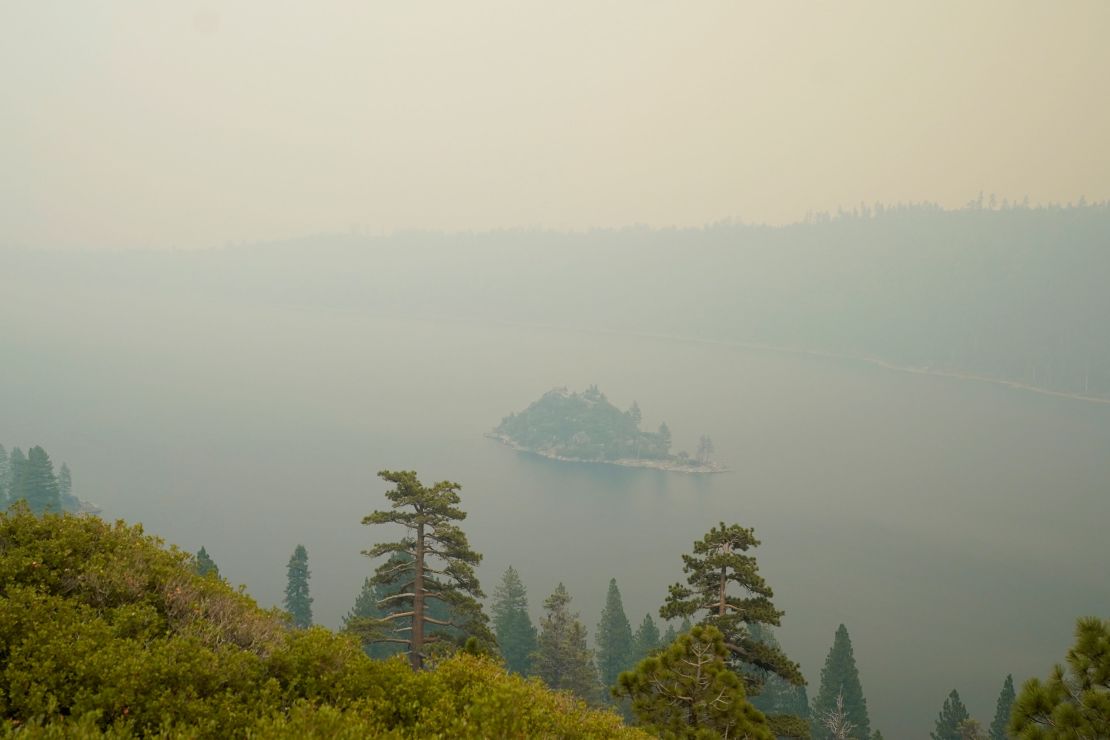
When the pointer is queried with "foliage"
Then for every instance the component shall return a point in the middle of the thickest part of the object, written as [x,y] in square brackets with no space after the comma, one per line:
[439,566]
[614,638]
[562,659]
[1073,702]
[719,562]
[515,633]
[785,705]
[952,716]
[840,682]
[583,426]
[1002,710]
[33,480]
[297,601]
[103,632]
[687,691]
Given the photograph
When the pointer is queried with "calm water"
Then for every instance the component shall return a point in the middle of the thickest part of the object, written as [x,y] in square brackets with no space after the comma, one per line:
[956,528]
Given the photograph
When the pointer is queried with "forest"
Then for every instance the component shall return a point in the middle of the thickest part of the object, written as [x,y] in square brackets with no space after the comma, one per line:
[106,631]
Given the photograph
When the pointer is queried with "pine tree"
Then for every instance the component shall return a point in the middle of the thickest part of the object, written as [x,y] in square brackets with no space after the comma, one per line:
[297,600]
[687,691]
[562,659]
[719,562]
[433,539]
[614,638]
[516,635]
[205,564]
[68,501]
[669,636]
[646,640]
[1002,710]
[17,462]
[1073,702]
[785,705]
[840,678]
[36,483]
[5,477]
[952,715]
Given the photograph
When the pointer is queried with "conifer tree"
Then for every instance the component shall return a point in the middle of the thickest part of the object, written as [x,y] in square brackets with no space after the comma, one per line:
[5,475]
[718,563]
[1073,702]
[952,716]
[440,566]
[516,635]
[297,600]
[669,636]
[687,691]
[840,678]
[646,640]
[562,659]
[686,626]
[1002,710]
[614,638]
[205,564]
[17,461]
[785,705]
[36,482]
[68,501]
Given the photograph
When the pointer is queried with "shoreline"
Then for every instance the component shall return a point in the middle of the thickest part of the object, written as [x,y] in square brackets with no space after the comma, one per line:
[668,467]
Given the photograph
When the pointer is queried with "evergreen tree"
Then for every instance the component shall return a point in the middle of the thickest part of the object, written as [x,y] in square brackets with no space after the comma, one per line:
[719,562]
[68,501]
[205,564]
[1002,710]
[516,635]
[876,735]
[36,483]
[687,691]
[840,678]
[646,640]
[669,636]
[614,638]
[366,611]
[686,626]
[297,601]
[5,476]
[17,462]
[952,716]
[1072,703]
[440,568]
[562,659]
[785,705]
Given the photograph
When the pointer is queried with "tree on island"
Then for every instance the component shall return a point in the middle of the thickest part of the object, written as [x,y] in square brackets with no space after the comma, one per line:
[297,600]
[705,449]
[516,636]
[204,564]
[440,567]
[949,724]
[687,691]
[614,638]
[840,683]
[562,659]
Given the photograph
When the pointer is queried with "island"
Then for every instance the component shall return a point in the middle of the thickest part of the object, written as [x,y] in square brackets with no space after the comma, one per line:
[586,427]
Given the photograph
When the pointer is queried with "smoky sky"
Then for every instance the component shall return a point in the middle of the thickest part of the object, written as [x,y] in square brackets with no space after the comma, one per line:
[194,124]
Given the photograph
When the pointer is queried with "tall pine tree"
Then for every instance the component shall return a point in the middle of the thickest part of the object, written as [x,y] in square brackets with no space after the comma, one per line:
[840,678]
[516,636]
[36,482]
[646,640]
[297,600]
[949,724]
[718,569]
[1002,710]
[439,567]
[5,477]
[614,638]
[562,659]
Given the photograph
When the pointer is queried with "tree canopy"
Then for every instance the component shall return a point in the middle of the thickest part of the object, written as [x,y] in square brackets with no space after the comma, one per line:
[512,625]
[297,600]
[840,682]
[562,659]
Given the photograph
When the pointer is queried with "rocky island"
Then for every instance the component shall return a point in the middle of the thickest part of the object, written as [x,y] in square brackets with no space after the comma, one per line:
[586,427]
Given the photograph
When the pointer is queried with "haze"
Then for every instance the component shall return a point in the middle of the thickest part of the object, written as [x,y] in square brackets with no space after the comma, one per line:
[196,124]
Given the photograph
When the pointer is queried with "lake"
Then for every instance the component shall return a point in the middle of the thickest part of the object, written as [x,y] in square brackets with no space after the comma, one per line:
[957,528]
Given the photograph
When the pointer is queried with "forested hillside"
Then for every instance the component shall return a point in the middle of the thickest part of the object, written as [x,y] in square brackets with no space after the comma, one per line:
[1007,291]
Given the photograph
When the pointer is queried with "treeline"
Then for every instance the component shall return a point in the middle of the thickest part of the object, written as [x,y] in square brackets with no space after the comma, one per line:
[31,477]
